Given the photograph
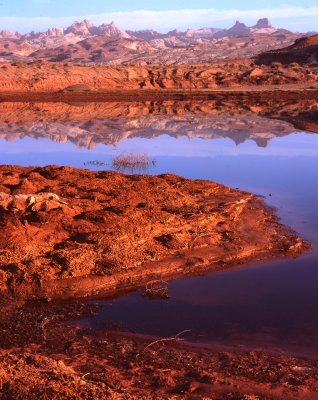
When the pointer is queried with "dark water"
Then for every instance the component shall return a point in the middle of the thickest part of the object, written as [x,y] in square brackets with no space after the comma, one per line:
[274,305]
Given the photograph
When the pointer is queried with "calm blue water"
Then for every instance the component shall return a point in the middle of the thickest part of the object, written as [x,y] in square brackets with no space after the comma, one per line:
[272,305]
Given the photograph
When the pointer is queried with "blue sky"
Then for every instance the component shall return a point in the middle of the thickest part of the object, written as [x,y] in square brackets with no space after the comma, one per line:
[24,15]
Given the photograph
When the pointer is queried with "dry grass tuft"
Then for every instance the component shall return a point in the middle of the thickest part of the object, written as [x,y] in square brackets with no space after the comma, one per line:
[132,162]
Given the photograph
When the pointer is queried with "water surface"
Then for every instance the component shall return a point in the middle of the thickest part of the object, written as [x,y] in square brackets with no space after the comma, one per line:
[274,305]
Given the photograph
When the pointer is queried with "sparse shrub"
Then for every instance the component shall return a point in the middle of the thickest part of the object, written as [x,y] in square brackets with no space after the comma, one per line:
[132,162]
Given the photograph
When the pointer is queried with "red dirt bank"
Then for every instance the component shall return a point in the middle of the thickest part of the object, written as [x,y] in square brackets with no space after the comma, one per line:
[41,358]
[118,231]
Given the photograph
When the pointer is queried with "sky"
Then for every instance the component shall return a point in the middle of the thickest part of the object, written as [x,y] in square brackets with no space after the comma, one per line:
[163,15]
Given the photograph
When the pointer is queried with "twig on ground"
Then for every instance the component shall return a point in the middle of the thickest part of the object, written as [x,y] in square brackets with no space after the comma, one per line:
[164,340]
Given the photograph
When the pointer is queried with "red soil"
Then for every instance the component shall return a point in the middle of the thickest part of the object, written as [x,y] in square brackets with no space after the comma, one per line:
[42,358]
[118,231]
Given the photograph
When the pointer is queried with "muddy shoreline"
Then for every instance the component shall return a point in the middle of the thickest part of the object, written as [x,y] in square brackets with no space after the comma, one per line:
[54,223]
[104,287]
[44,351]
[72,233]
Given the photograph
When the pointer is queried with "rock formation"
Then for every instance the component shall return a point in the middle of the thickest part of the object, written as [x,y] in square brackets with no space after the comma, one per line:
[205,45]
[65,78]
[263,23]
[303,51]
[82,28]
[21,203]
[238,29]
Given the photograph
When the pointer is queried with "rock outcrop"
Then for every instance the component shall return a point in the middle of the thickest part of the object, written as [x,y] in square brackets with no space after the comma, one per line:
[109,44]
[55,32]
[263,23]
[238,29]
[82,28]
[22,203]
[49,77]
[303,51]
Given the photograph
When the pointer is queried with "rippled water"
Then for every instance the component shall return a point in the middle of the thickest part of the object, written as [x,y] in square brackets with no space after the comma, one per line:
[274,305]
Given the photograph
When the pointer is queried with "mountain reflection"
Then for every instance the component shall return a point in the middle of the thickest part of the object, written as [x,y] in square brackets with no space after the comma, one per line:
[88,124]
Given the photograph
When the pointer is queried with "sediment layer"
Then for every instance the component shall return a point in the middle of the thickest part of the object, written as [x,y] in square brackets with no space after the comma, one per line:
[73,78]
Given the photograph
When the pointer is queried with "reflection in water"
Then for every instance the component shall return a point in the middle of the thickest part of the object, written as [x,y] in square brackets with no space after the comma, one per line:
[269,305]
[87,125]
[272,305]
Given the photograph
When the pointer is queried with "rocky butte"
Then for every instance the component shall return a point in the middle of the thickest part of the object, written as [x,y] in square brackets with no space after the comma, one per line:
[85,58]
[175,46]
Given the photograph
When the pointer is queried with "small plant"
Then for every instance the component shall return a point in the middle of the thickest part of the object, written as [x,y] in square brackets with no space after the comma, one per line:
[132,162]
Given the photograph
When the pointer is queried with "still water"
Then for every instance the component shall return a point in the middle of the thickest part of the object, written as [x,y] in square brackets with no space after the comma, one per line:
[274,305]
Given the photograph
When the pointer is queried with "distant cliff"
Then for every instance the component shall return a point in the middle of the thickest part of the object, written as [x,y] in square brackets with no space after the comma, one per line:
[303,51]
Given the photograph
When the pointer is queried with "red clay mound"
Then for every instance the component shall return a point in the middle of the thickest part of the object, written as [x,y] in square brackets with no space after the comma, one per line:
[60,223]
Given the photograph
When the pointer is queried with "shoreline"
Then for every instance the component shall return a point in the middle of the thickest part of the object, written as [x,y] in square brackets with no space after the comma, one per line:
[97,287]
[120,365]
[85,234]
[42,339]
[285,92]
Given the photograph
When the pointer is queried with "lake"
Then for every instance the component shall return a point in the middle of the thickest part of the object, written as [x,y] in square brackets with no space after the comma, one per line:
[270,151]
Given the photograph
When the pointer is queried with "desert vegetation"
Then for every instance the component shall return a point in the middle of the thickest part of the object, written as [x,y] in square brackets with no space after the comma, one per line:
[132,162]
